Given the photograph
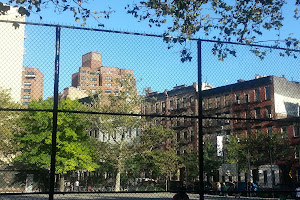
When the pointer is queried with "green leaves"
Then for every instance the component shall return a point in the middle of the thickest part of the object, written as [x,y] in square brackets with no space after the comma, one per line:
[74,149]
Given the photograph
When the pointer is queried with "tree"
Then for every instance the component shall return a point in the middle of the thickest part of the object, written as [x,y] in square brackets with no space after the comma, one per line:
[74,149]
[8,126]
[157,149]
[257,148]
[211,161]
[242,21]
[117,127]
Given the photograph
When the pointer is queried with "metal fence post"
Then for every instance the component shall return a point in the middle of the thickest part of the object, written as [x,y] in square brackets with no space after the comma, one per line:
[200,119]
[55,111]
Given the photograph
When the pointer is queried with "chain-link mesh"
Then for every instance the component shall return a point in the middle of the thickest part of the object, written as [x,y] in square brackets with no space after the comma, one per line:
[127,123]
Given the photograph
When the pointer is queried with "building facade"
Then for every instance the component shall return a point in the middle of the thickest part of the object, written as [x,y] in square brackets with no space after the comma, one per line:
[94,77]
[33,85]
[11,55]
[267,100]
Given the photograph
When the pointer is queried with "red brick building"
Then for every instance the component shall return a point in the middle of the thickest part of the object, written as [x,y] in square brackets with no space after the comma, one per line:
[33,85]
[92,76]
[269,100]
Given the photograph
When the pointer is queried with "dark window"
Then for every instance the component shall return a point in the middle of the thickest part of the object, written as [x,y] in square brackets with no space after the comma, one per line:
[107,91]
[268,112]
[26,97]
[83,78]
[237,99]
[257,113]
[247,98]
[27,84]
[163,106]
[268,93]
[83,71]
[257,94]
[178,137]
[270,130]
[27,90]
[265,177]
[296,131]
[117,91]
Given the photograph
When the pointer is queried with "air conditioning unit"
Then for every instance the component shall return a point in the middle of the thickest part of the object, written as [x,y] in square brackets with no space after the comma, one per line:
[238,101]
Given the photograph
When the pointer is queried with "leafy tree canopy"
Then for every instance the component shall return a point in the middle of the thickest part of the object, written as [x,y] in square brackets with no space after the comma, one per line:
[74,149]
[8,125]
[257,148]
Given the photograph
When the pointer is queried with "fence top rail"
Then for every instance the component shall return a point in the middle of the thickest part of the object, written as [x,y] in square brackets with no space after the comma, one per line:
[150,35]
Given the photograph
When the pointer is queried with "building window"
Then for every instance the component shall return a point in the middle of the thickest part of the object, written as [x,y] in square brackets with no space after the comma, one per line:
[265,177]
[26,97]
[93,79]
[163,106]
[268,112]
[109,72]
[256,91]
[30,73]
[296,131]
[157,107]
[192,136]
[258,129]
[283,129]
[26,103]
[178,136]
[218,103]
[185,135]
[83,78]
[257,113]
[82,84]
[107,91]
[108,78]
[171,104]
[269,129]
[237,99]
[227,100]
[27,84]
[268,93]
[107,84]
[247,100]
[83,71]
[27,90]
[116,91]
[178,103]
[94,85]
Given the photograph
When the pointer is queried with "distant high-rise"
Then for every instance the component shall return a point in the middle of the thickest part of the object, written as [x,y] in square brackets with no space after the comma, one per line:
[11,53]
[92,76]
[33,85]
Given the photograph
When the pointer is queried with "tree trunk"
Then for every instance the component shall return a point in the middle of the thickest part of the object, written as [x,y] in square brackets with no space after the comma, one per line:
[62,183]
[118,181]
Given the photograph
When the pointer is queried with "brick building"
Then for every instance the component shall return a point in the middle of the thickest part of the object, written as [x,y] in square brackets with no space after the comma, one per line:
[92,76]
[33,85]
[271,101]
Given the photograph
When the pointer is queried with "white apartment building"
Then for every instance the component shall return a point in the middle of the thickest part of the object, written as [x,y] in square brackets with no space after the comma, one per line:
[11,53]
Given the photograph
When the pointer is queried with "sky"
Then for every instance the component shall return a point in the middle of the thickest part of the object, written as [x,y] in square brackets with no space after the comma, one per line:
[153,63]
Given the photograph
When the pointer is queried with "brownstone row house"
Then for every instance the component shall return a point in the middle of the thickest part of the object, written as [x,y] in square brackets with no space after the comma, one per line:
[273,102]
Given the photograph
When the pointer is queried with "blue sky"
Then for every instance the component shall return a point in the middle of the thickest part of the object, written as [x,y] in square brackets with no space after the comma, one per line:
[154,65]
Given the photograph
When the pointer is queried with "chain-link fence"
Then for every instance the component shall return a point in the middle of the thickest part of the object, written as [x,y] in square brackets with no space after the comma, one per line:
[98,114]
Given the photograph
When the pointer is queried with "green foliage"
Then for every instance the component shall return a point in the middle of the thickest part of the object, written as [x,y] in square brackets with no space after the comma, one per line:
[240,21]
[211,161]
[74,149]
[257,148]
[156,150]
[8,124]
